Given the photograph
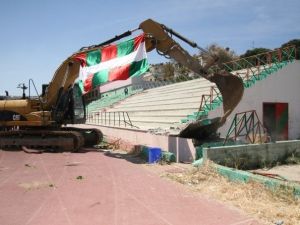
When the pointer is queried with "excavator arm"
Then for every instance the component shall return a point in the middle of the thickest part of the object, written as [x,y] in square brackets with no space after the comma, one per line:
[64,78]
[230,86]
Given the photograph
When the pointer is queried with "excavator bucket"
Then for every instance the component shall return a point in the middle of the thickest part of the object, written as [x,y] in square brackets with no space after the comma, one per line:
[231,88]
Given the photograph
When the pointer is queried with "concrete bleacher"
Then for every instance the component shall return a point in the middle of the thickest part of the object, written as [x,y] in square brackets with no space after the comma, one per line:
[161,107]
[109,98]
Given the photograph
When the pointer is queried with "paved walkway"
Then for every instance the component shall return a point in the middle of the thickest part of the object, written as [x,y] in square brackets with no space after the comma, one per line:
[290,172]
[94,188]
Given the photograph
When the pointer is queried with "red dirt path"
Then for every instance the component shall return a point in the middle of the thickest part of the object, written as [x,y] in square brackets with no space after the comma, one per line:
[45,189]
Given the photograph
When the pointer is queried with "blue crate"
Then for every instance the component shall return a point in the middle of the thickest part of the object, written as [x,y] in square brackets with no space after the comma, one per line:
[154,154]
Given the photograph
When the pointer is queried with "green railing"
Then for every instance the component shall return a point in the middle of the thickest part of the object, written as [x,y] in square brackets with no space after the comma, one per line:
[209,101]
[258,67]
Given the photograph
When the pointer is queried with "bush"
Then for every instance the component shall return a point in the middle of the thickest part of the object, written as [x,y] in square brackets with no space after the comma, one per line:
[295,42]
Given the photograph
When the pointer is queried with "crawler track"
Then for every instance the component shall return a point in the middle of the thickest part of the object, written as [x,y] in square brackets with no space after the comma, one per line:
[42,139]
[91,136]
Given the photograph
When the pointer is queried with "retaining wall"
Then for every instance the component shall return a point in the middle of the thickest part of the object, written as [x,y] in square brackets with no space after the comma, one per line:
[252,156]
[182,148]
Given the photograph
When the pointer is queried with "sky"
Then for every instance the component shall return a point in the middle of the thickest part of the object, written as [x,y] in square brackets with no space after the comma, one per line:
[38,35]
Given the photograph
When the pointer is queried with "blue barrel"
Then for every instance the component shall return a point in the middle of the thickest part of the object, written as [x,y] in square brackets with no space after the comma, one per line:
[154,154]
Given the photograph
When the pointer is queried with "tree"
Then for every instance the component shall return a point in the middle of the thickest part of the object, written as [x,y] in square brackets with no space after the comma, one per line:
[224,55]
[254,51]
[168,71]
[181,70]
[260,58]
[295,42]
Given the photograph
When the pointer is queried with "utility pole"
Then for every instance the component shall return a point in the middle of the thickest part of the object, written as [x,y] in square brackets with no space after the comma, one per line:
[23,87]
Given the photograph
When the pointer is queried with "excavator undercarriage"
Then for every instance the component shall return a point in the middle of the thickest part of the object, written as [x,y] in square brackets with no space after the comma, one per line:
[65,139]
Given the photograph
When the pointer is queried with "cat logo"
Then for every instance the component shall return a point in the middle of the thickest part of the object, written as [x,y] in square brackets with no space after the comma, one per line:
[16,117]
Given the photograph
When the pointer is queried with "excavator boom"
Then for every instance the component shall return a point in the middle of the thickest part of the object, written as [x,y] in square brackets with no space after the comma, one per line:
[230,86]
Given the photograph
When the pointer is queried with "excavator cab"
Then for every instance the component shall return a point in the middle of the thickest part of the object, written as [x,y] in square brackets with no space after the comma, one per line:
[70,106]
[79,111]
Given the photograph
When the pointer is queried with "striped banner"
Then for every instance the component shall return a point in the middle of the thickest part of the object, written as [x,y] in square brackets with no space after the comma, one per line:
[113,62]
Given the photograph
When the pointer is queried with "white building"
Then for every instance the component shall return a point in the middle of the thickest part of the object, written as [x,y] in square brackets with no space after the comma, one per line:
[276,101]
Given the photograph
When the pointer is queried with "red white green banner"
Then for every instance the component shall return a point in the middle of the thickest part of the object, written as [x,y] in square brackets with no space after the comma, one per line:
[113,62]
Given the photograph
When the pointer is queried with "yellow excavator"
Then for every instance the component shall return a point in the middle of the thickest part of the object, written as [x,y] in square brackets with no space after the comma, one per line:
[38,121]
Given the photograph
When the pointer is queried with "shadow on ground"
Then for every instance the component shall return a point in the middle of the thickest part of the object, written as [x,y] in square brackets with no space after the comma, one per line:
[133,158]
[123,155]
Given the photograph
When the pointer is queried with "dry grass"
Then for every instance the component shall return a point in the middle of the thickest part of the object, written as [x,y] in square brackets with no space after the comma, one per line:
[117,144]
[253,198]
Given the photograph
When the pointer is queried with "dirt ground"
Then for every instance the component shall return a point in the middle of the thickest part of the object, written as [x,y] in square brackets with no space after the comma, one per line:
[277,207]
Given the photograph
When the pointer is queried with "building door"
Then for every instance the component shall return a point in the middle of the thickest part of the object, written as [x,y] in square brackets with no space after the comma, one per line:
[276,120]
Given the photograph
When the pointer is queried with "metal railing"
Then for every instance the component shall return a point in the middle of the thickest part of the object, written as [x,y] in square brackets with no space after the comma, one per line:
[116,119]
[247,124]
[254,65]
[207,100]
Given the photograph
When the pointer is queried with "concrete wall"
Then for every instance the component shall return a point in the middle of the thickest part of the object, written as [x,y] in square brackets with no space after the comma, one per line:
[134,81]
[120,83]
[182,148]
[114,85]
[282,87]
[252,156]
